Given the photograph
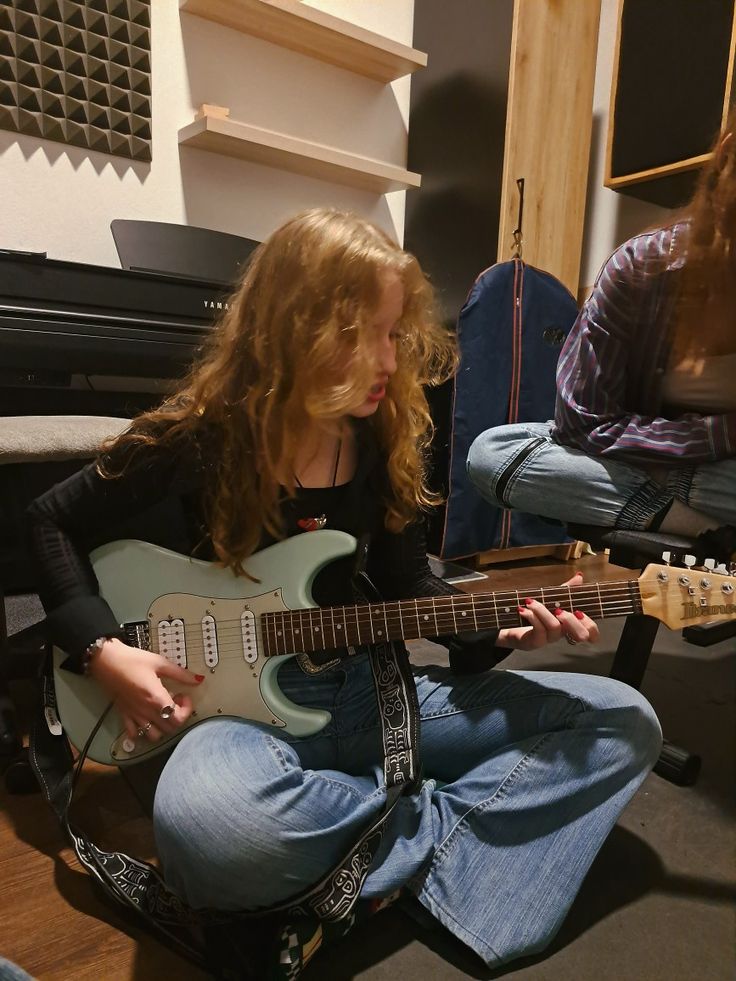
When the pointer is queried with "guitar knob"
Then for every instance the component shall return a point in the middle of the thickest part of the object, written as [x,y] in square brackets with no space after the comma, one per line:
[127,745]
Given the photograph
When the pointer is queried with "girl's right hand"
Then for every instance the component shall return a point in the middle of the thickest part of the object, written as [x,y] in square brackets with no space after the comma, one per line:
[133,680]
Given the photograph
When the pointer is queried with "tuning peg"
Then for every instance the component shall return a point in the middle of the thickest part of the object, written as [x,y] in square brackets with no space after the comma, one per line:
[689,561]
[710,565]
[666,557]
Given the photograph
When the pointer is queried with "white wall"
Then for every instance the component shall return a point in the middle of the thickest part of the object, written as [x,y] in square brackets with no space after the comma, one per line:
[611,217]
[61,199]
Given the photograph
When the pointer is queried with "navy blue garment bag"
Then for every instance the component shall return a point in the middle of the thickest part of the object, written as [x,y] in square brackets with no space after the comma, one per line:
[510,332]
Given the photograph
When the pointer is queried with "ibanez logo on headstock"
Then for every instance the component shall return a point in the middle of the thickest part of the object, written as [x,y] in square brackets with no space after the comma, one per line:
[691,594]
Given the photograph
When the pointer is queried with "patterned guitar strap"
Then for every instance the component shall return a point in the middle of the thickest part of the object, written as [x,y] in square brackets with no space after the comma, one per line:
[327,906]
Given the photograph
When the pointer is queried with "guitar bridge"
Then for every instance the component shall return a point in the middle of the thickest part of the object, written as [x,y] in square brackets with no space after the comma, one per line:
[137,634]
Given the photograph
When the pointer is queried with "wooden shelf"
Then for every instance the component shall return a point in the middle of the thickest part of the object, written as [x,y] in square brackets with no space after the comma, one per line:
[313,32]
[273,149]
[653,173]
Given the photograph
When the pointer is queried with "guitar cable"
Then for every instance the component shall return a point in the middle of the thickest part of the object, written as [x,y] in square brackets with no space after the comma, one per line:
[102,872]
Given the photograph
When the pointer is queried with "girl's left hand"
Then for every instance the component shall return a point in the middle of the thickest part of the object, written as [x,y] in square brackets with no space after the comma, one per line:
[547,626]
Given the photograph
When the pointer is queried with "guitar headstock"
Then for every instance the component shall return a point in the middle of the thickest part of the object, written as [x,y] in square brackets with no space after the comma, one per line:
[681,596]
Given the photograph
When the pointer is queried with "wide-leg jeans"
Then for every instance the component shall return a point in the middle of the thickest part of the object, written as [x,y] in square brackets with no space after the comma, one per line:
[528,771]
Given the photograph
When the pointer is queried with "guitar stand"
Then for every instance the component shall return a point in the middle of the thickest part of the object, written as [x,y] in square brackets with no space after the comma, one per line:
[635,550]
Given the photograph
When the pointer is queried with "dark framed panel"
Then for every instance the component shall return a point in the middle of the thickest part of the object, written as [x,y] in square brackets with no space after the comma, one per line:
[671,90]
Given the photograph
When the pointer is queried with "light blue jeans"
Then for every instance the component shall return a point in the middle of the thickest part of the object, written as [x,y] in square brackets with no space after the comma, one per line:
[537,767]
[520,467]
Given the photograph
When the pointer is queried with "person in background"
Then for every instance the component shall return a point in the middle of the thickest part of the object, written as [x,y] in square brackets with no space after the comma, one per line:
[644,435]
[308,410]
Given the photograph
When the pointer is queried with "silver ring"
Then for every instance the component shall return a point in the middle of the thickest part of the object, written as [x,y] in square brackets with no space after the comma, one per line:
[569,639]
[142,730]
[167,711]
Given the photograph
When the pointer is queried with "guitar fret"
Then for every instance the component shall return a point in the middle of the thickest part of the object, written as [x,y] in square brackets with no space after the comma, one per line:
[600,599]
[300,632]
[385,621]
[334,634]
[342,629]
[416,613]
[281,638]
[320,631]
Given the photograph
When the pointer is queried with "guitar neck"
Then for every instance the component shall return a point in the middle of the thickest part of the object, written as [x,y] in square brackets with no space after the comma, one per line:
[327,628]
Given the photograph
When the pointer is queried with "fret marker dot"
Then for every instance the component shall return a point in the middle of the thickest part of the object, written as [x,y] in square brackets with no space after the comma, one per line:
[380,632]
[316,630]
[278,633]
[297,630]
[507,609]
[339,626]
[425,617]
[464,613]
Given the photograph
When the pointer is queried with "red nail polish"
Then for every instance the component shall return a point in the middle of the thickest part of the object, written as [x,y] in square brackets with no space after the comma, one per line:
[579,614]
[558,611]
[528,600]
[522,609]
[199,678]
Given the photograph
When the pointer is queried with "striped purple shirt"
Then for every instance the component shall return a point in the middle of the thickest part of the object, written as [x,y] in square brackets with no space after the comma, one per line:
[609,375]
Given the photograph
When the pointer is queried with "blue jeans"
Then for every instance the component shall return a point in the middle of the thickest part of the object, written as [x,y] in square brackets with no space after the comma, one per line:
[537,767]
[520,467]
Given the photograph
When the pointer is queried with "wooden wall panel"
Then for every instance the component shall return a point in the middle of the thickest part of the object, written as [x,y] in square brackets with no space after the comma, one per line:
[548,130]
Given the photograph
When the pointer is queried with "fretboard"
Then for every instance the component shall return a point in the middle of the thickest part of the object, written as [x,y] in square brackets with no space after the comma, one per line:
[327,628]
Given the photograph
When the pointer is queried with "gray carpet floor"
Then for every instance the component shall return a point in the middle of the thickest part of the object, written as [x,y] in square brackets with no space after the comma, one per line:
[658,902]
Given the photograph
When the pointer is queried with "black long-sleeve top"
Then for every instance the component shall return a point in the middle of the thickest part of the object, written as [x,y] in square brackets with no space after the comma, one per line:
[159,497]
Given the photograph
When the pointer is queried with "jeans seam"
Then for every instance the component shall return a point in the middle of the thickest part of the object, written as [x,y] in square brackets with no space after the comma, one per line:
[449,711]
[275,748]
[500,794]
[523,465]
[460,827]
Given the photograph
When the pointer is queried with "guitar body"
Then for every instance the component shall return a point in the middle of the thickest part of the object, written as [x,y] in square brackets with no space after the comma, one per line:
[213,618]
[238,632]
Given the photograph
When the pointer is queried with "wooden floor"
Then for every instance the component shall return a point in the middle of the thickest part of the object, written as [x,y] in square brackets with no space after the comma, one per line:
[52,921]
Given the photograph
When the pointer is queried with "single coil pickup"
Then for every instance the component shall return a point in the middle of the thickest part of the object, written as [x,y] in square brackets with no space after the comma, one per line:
[209,639]
[248,630]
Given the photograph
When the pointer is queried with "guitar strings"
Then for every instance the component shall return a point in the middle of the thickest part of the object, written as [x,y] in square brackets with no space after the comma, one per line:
[484,608]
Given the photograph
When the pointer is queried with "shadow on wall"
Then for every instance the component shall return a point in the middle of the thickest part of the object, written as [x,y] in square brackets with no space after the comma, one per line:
[452,221]
[77,156]
[249,199]
[272,87]
[277,89]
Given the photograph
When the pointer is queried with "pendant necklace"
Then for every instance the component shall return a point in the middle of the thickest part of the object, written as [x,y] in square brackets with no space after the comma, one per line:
[314,524]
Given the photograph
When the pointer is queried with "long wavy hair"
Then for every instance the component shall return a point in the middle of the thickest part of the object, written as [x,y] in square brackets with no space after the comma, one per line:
[293,346]
[703,315]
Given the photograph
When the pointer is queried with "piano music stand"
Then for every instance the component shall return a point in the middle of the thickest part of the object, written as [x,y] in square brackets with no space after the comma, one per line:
[181,250]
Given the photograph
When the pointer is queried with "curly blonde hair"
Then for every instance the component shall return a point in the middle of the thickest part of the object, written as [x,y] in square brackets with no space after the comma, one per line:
[295,342]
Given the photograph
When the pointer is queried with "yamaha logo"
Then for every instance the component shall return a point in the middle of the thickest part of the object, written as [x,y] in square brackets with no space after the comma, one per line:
[216,305]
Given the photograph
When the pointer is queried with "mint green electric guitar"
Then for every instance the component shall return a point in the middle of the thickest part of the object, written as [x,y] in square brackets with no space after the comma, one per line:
[238,632]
